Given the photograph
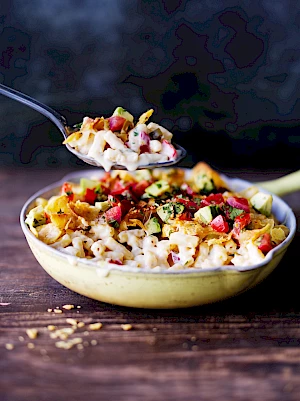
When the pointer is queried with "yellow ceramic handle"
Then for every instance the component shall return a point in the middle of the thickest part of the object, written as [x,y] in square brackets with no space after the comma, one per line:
[283,185]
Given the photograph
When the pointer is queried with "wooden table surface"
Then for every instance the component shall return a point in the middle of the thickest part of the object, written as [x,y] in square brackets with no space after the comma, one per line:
[245,348]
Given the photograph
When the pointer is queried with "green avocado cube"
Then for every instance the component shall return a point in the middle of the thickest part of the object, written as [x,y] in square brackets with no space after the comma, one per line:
[158,188]
[123,113]
[262,203]
[152,226]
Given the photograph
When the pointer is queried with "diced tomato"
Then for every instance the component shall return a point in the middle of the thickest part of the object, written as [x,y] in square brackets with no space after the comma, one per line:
[241,222]
[144,149]
[138,188]
[116,123]
[238,203]
[168,149]
[220,224]
[66,189]
[90,196]
[189,205]
[144,142]
[212,199]
[119,187]
[126,205]
[113,216]
[266,243]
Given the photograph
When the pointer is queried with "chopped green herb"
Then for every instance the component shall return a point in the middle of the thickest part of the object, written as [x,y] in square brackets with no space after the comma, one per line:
[234,212]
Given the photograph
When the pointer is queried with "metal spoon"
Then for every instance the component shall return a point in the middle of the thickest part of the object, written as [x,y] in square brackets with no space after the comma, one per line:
[66,130]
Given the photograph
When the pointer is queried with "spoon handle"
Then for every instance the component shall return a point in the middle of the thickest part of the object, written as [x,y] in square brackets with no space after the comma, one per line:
[55,117]
[283,185]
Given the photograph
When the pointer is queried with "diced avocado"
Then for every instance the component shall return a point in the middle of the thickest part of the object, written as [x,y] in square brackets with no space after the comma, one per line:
[178,208]
[158,188]
[143,174]
[123,113]
[169,210]
[204,184]
[164,212]
[91,184]
[152,226]
[102,206]
[262,203]
[205,214]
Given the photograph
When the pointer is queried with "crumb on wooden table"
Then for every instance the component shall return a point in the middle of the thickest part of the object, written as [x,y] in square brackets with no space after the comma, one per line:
[32,333]
[126,327]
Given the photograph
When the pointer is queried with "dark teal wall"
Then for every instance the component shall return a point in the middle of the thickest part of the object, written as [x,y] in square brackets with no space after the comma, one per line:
[223,75]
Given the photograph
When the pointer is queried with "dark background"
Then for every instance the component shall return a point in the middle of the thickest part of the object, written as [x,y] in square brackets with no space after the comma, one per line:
[223,76]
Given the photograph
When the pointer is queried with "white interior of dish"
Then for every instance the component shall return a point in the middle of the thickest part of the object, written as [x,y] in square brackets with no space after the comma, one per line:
[280,209]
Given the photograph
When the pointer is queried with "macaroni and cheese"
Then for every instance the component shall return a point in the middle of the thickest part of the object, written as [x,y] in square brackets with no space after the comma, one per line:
[118,140]
[158,219]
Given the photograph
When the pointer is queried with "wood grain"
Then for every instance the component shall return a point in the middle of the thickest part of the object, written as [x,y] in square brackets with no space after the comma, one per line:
[245,348]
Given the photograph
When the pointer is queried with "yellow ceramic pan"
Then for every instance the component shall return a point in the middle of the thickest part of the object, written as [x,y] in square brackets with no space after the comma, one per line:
[146,289]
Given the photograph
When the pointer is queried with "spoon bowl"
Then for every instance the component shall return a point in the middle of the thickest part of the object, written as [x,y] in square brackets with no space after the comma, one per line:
[61,123]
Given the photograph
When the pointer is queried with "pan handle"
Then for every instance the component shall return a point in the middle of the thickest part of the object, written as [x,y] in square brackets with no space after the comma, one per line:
[283,185]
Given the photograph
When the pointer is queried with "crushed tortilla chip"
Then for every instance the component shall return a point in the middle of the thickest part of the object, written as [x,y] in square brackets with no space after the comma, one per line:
[73,137]
[145,116]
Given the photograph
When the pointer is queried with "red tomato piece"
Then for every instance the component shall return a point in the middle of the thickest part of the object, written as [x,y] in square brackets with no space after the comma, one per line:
[114,215]
[144,149]
[120,187]
[190,205]
[266,243]
[144,139]
[239,203]
[116,123]
[138,188]
[66,189]
[90,196]
[168,149]
[125,205]
[241,222]
[212,199]
[220,224]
